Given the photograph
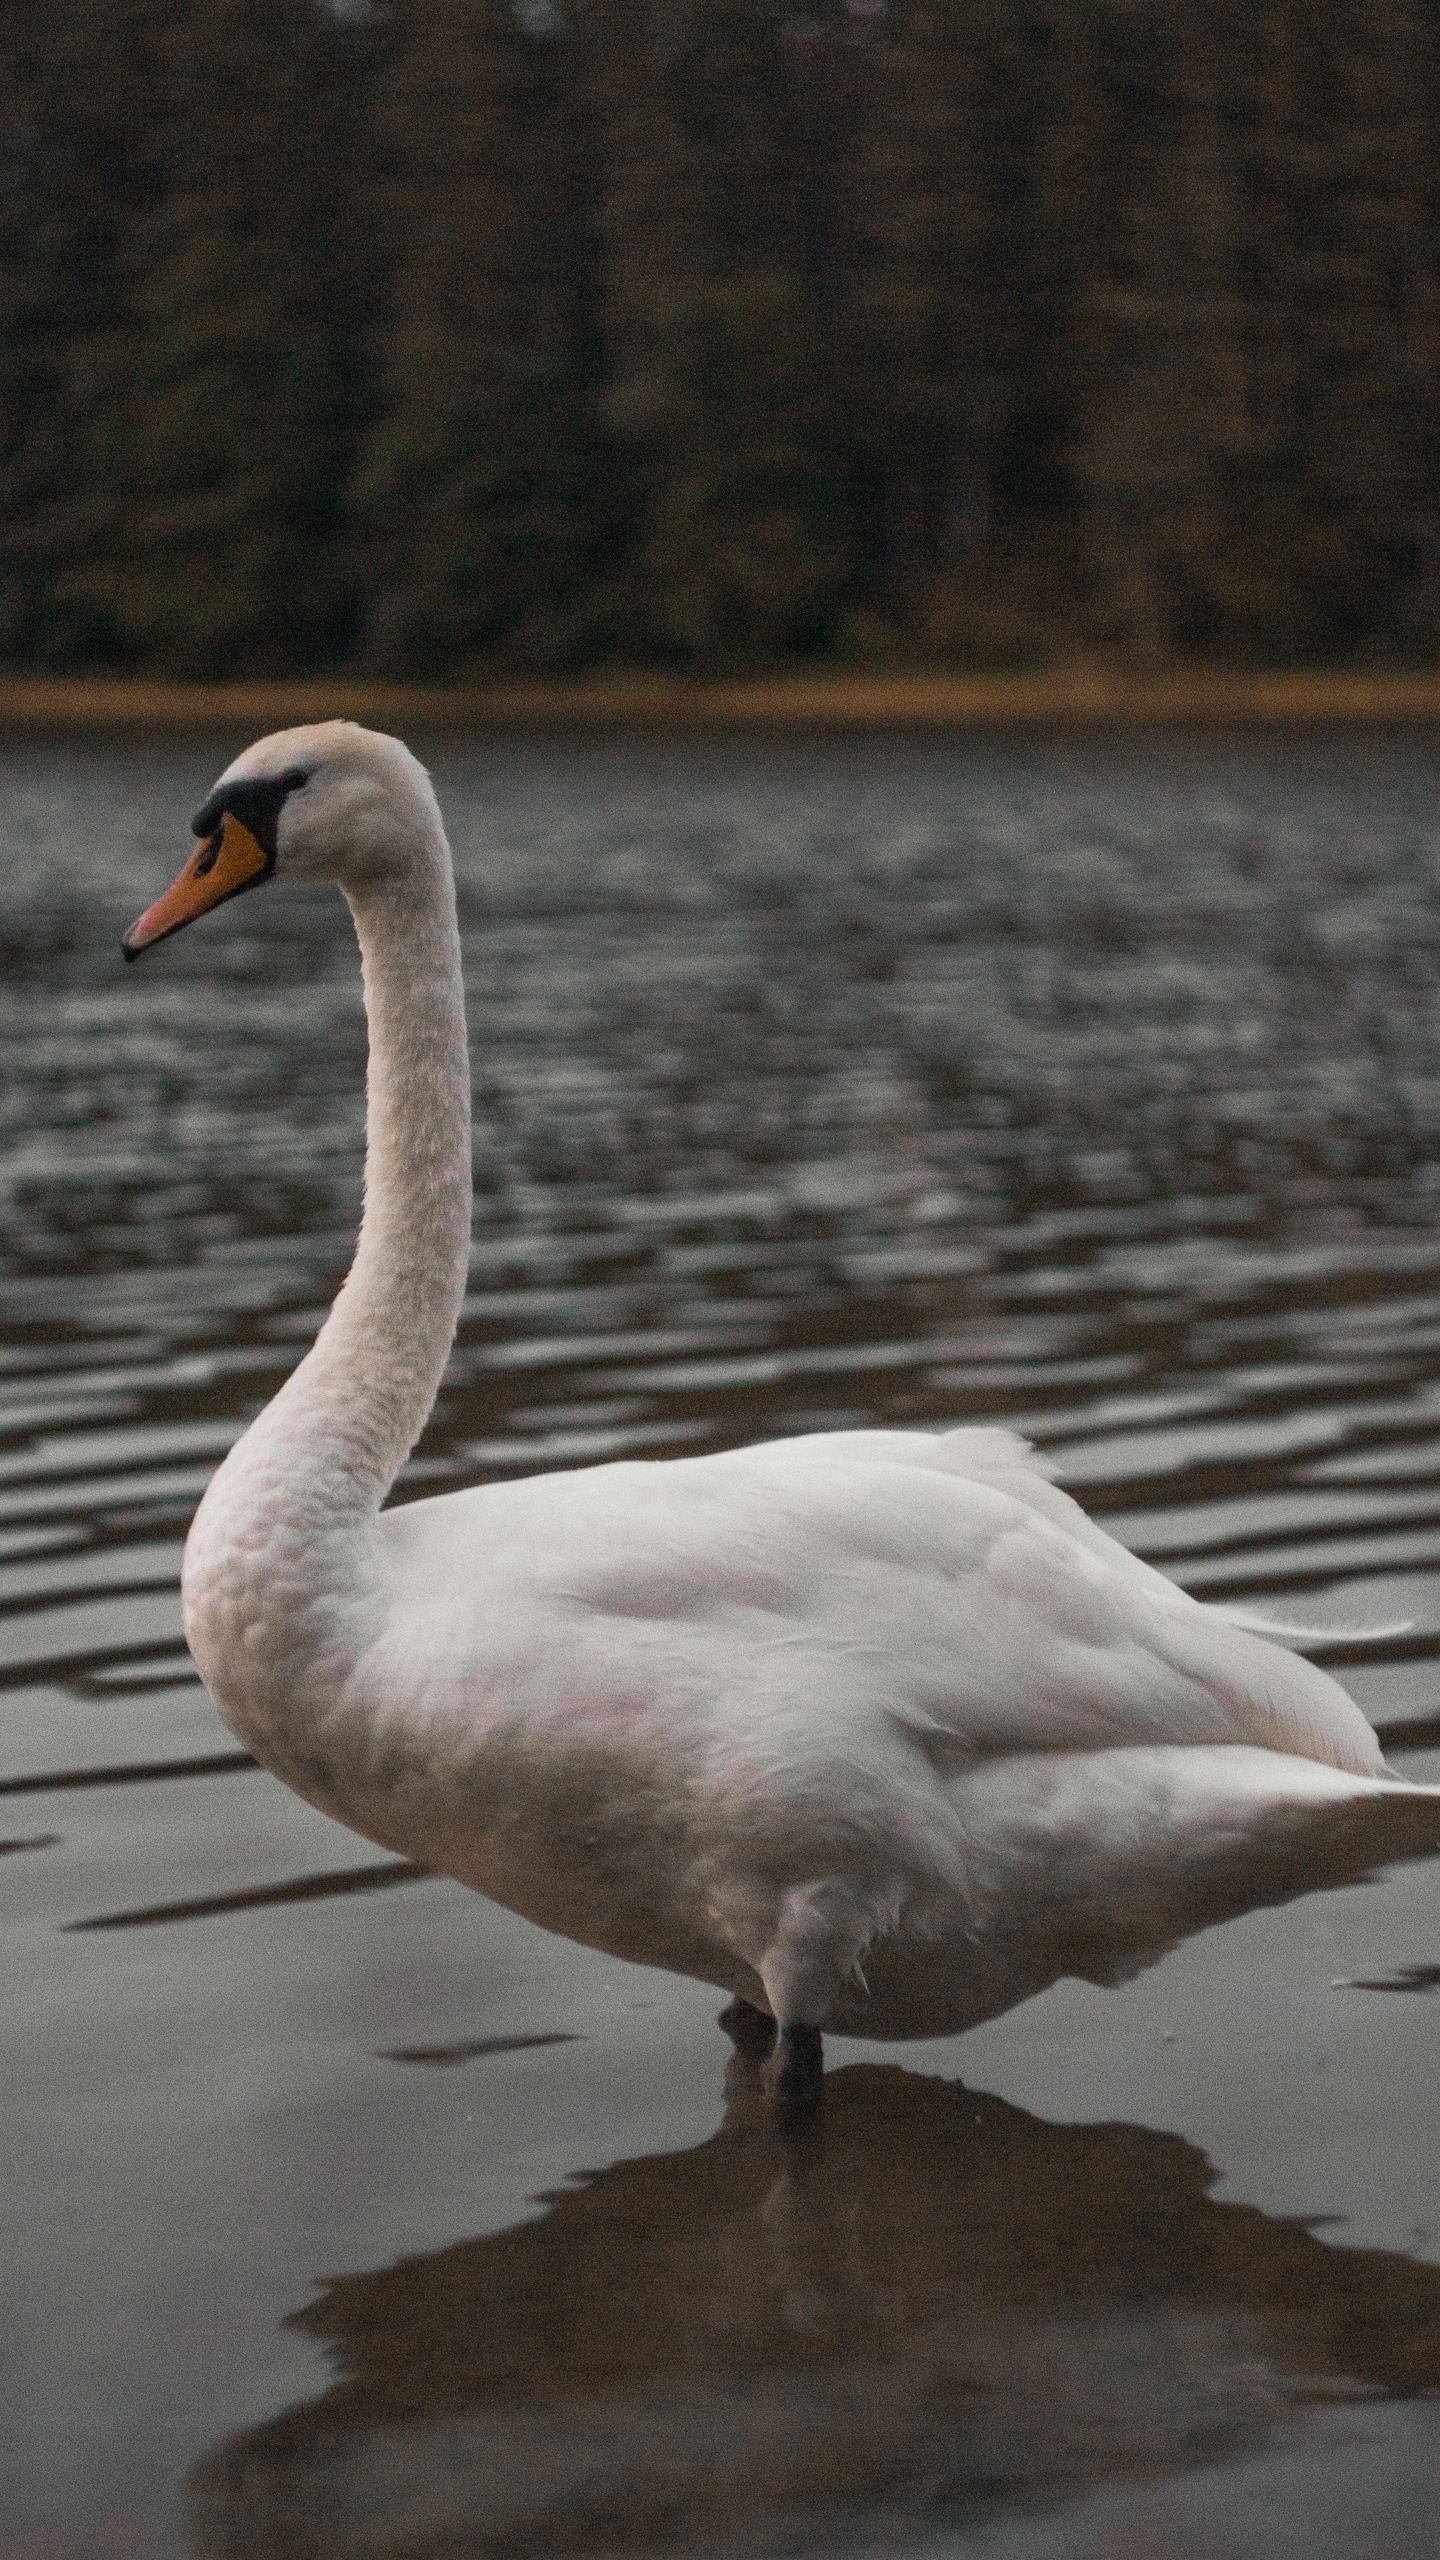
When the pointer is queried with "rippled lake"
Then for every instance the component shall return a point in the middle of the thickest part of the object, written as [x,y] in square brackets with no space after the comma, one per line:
[1089,1086]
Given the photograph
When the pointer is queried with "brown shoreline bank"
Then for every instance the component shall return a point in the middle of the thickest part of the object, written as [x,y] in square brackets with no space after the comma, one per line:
[804,701]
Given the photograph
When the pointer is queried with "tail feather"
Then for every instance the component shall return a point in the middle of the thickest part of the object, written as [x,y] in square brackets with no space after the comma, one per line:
[1142,1848]
[1256,1623]
[1292,1847]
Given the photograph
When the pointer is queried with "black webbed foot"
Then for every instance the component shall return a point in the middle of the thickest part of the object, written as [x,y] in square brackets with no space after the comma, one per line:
[750,2030]
[795,2075]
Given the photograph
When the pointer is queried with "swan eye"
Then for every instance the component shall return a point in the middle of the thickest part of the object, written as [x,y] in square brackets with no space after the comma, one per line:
[295,777]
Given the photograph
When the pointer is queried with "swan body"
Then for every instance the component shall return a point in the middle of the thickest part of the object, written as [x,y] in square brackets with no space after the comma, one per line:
[874,1730]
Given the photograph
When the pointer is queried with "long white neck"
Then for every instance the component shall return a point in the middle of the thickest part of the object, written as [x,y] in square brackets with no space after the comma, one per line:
[367,1387]
[280,1567]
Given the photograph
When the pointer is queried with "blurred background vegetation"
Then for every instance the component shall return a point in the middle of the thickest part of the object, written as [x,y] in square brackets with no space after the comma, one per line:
[442,336]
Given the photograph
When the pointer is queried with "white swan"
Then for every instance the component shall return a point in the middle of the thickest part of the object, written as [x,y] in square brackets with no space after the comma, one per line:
[875,1730]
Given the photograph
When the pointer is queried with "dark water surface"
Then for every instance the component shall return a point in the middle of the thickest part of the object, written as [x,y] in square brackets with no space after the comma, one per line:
[1090,1086]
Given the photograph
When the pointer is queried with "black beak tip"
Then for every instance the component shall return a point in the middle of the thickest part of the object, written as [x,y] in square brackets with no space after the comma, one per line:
[125,951]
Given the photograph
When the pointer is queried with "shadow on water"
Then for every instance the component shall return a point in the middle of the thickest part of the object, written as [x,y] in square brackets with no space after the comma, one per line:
[932,2309]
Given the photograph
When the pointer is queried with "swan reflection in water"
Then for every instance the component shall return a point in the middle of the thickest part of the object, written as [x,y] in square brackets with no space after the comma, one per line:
[928,2308]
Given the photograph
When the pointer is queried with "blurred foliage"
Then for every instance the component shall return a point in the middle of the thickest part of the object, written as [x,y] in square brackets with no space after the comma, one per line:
[446,335]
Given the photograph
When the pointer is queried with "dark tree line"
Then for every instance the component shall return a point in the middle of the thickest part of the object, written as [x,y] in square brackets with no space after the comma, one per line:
[446,335]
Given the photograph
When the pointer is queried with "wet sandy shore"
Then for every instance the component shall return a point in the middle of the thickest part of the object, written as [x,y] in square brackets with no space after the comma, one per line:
[802,700]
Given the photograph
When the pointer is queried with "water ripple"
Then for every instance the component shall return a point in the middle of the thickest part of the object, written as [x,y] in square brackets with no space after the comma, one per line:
[1130,1142]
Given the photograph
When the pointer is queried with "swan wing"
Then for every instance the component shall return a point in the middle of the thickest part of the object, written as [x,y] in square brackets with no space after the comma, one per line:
[1061,1638]
[989,1455]
[824,1588]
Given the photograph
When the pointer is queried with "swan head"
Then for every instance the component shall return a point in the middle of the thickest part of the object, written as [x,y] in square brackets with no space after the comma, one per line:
[332,802]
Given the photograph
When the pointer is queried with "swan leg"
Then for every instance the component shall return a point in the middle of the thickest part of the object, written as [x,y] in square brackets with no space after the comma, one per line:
[820,1933]
[795,2074]
[749,2029]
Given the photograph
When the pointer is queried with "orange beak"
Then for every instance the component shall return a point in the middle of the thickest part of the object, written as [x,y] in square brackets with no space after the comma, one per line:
[219,868]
